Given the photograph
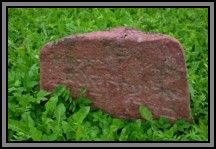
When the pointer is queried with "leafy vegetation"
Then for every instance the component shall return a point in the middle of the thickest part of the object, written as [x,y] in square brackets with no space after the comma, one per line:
[35,115]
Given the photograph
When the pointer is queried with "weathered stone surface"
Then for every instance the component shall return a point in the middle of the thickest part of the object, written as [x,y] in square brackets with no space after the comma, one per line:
[122,69]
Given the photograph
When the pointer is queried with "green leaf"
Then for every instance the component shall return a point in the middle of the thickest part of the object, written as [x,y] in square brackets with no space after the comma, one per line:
[36,134]
[51,104]
[145,113]
[116,124]
[137,132]
[107,135]
[44,137]
[60,90]
[97,116]
[149,132]
[94,131]
[79,133]
[181,125]
[66,127]
[83,101]
[170,132]
[79,116]
[17,83]
[124,134]
[27,119]
[42,93]
[53,136]
[60,113]
[18,126]
[163,122]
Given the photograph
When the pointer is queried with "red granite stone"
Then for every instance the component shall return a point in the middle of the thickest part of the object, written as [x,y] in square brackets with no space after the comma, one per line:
[122,69]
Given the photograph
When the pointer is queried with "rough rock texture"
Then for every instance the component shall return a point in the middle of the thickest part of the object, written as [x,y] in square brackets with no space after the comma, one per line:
[122,69]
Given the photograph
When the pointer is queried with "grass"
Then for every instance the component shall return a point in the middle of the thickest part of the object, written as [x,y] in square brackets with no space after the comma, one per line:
[32,117]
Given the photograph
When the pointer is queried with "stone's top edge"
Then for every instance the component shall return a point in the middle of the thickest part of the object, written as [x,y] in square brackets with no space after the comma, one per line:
[118,33]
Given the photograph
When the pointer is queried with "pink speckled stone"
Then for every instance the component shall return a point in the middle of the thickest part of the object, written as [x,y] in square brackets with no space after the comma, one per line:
[122,69]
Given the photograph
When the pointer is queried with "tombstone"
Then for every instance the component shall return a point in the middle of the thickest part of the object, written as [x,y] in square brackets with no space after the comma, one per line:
[122,69]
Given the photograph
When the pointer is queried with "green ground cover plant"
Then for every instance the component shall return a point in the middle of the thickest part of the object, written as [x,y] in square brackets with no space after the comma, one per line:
[38,115]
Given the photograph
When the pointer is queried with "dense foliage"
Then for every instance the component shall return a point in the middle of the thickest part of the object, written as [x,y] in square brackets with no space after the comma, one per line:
[35,115]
